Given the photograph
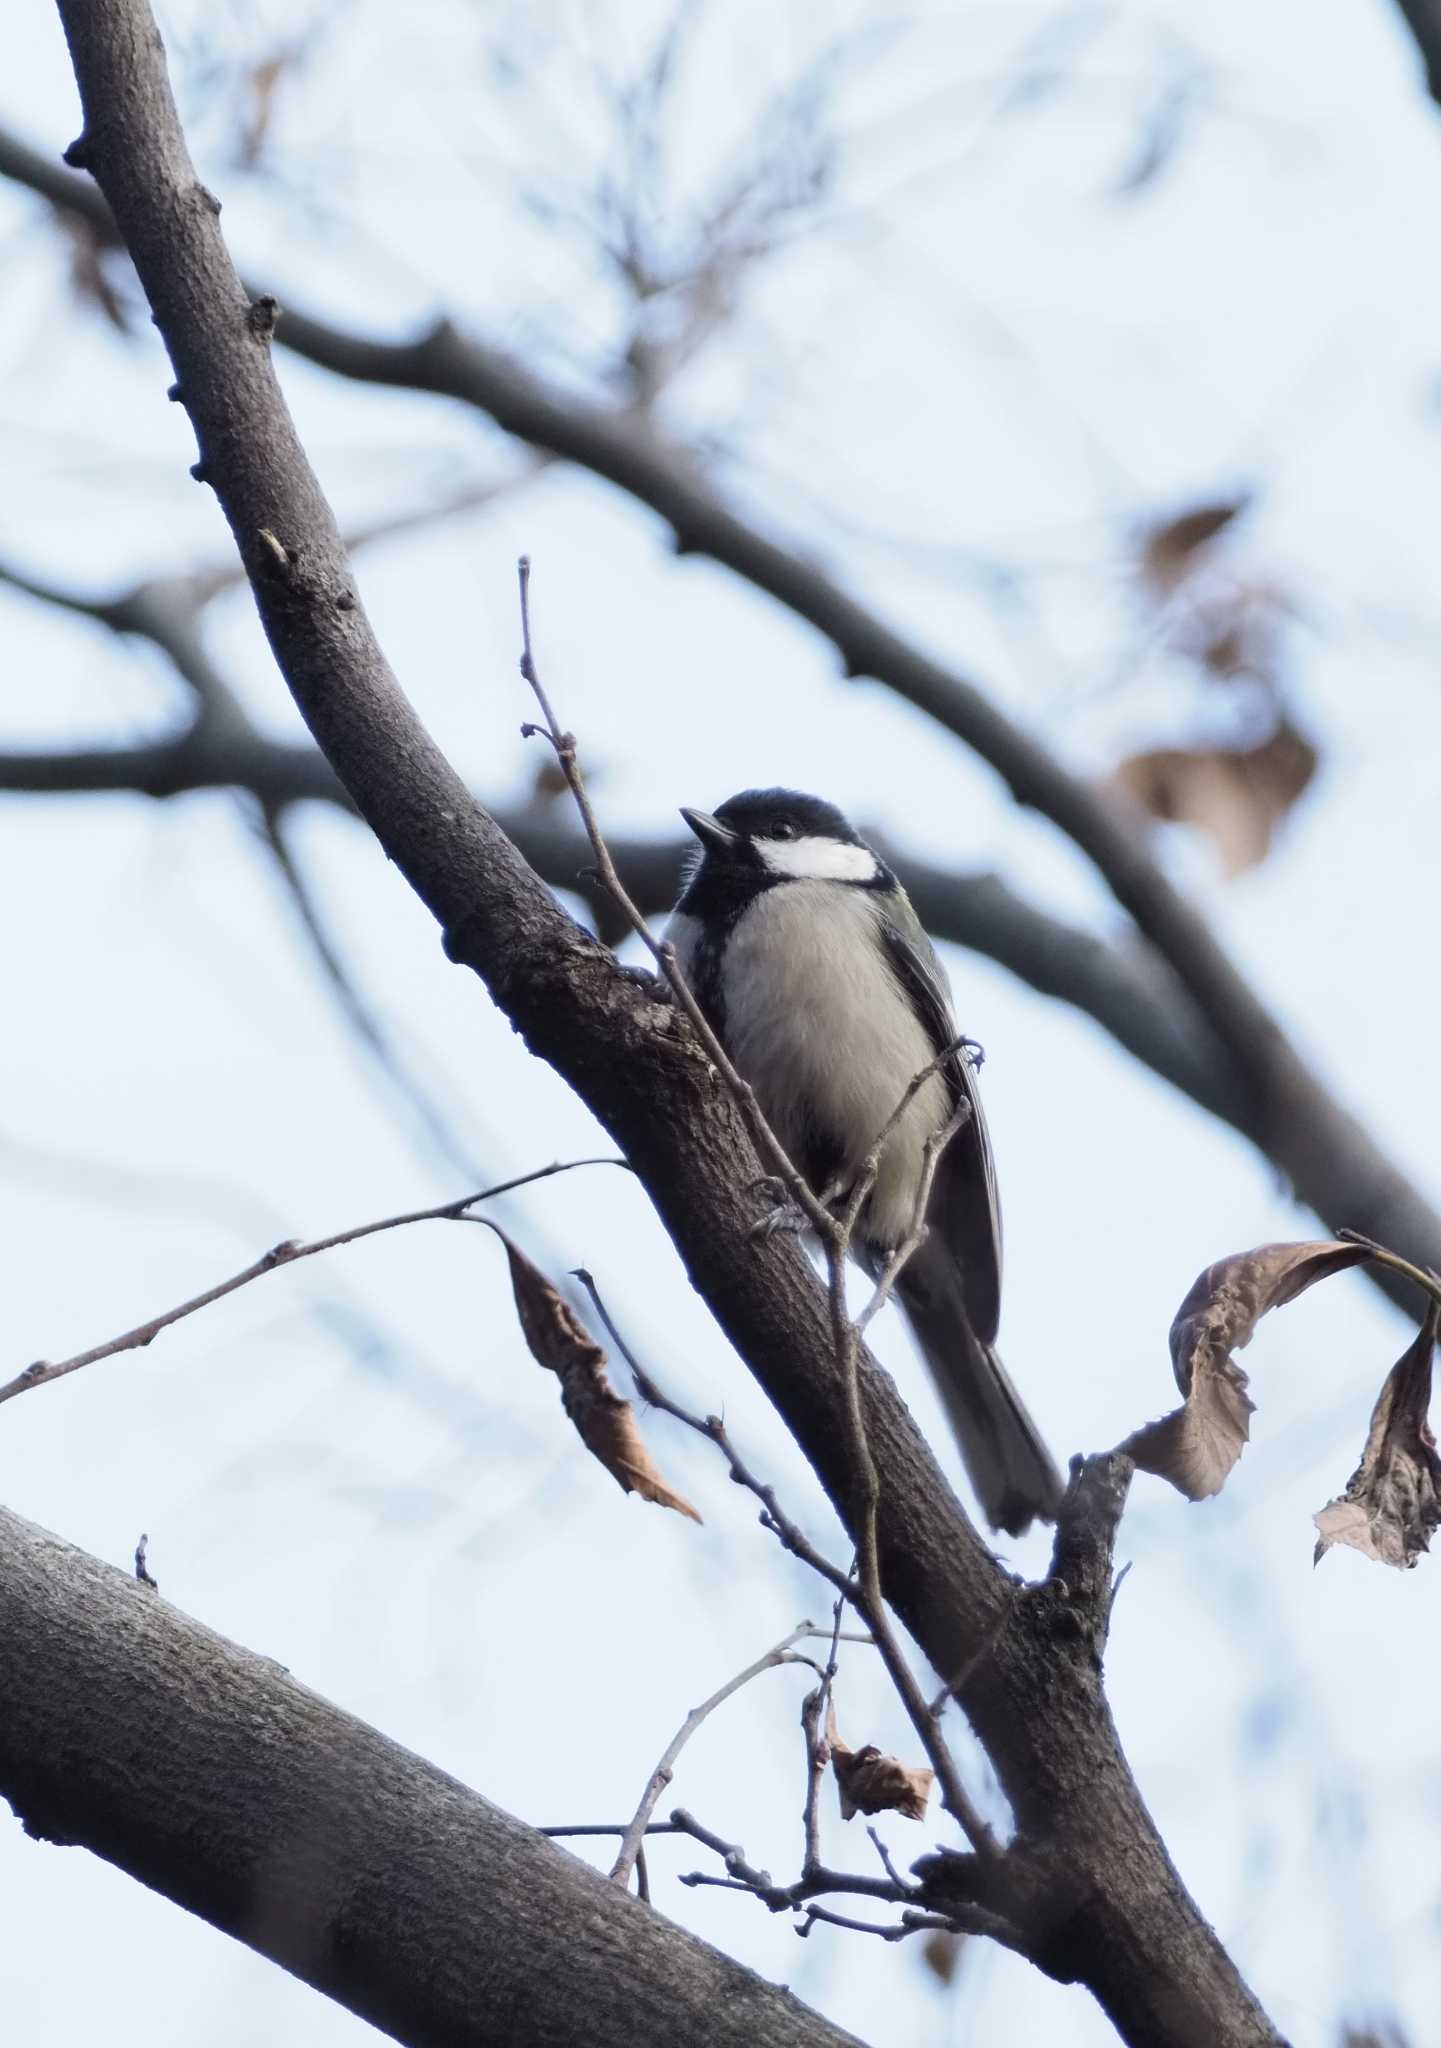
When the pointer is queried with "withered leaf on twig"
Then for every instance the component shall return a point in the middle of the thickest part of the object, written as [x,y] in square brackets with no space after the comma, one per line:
[943,1953]
[870,1782]
[1237,796]
[1392,1504]
[1170,547]
[561,1343]
[1196,1445]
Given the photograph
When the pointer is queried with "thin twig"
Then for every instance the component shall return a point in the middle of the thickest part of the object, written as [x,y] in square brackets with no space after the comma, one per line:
[873,1612]
[731,1853]
[780,1898]
[935,1146]
[662,952]
[1423,1276]
[42,1372]
[773,1516]
[868,1597]
[814,1725]
[664,1771]
[885,1855]
[888,1930]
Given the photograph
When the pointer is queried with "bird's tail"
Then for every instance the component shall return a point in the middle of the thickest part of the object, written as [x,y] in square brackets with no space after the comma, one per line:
[1014,1475]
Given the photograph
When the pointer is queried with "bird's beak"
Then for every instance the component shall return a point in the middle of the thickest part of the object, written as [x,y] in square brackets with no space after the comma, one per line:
[712,834]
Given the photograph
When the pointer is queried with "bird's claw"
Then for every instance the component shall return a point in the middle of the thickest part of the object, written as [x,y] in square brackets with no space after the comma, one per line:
[786,1215]
[653,985]
[782,1213]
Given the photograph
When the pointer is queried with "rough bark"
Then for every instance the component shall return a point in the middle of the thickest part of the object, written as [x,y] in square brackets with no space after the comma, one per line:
[216,1778]
[1089,1879]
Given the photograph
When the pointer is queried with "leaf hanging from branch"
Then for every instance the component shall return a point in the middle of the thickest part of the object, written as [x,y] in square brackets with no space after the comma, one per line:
[870,1782]
[1169,549]
[943,1954]
[1196,1445]
[606,1422]
[1238,796]
[1392,1504]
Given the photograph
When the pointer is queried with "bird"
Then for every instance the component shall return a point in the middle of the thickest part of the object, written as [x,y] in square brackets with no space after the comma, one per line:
[806,957]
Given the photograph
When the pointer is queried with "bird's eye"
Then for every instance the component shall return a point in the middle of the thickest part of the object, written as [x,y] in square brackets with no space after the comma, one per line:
[781,830]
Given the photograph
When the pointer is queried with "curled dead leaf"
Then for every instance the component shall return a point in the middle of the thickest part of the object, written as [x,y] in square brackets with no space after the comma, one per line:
[1392,1504]
[868,1781]
[606,1422]
[1170,547]
[1238,796]
[1197,1444]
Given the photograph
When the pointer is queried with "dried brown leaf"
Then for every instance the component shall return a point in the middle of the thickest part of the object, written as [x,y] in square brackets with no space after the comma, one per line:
[606,1422]
[1196,1446]
[1392,1504]
[1169,549]
[943,1954]
[1237,796]
[871,1782]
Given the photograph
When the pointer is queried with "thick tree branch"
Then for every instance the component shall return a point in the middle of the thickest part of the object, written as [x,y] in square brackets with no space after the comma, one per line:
[1423,18]
[1118,1917]
[1277,1101]
[211,1775]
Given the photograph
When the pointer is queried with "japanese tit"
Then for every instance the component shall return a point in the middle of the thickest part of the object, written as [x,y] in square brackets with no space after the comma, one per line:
[806,956]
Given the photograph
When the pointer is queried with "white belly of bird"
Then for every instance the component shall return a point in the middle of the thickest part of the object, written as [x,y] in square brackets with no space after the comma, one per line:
[823,1034]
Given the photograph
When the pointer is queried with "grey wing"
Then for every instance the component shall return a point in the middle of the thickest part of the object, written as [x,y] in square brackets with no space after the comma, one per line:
[965,1206]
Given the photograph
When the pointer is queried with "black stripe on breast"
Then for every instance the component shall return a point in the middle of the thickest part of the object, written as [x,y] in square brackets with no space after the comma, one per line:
[717,898]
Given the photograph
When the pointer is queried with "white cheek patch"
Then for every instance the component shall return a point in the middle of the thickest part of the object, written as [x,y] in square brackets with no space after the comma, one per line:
[818,860]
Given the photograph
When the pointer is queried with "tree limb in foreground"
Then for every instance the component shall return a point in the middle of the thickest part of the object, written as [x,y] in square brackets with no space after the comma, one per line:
[213,1776]
[1087,1876]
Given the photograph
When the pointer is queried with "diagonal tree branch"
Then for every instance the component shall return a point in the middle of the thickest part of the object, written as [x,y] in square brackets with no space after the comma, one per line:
[1088,1877]
[1423,18]
[213,1776]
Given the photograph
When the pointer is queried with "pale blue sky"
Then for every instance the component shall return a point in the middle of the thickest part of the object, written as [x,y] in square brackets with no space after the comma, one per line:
[976,349]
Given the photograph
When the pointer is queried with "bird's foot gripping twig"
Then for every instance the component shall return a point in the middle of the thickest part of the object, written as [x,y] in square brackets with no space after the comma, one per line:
[784,1212]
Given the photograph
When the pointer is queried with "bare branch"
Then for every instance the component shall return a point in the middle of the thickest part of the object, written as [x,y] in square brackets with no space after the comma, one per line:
[43,1372]
[869,1602]
[664,1771]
